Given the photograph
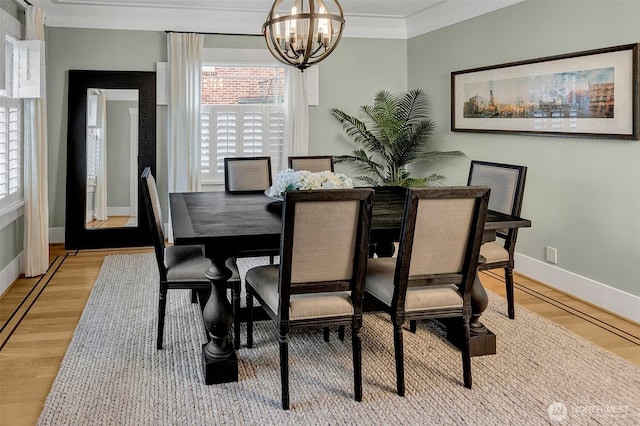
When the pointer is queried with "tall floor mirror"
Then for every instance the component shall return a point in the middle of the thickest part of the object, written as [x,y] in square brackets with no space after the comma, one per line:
[111,138]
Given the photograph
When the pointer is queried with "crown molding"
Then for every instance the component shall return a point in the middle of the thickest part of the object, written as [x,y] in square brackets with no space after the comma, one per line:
[206,20]
[448,13]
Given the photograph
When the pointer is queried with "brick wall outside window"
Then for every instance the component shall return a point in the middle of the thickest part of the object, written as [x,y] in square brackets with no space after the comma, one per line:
[240,85]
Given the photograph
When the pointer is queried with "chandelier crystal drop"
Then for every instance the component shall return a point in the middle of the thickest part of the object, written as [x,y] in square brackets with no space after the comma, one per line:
[303,32]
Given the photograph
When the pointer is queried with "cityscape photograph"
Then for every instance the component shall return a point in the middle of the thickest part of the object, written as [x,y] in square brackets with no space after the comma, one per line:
[575,94]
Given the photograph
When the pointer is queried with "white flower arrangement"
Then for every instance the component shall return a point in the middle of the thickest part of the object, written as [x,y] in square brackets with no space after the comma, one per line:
[303,179]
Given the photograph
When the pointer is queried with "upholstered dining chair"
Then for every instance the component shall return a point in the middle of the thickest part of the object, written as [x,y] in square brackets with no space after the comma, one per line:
[181,267]
[436,265]
[507,190]
[320,279]
[313,163]
[247,174]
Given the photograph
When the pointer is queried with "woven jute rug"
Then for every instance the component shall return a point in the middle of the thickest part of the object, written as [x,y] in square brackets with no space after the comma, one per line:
[112,373]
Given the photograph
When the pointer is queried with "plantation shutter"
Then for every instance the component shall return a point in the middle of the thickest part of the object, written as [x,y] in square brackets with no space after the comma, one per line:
[238,131]
[10,151]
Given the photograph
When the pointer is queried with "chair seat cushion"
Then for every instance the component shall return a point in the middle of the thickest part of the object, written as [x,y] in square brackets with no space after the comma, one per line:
[187,263]
[264,281]
[494,252]
[379,283]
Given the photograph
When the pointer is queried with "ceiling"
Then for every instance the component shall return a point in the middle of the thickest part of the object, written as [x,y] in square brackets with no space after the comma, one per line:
[396,19]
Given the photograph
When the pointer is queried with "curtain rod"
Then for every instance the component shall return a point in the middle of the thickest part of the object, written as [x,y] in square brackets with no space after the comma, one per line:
[199,32]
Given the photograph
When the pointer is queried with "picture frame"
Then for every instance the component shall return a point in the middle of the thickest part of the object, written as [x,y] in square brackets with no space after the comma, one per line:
[589,94]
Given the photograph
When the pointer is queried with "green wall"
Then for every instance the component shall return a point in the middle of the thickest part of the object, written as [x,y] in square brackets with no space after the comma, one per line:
[118,153]
[12,242]
[582,195]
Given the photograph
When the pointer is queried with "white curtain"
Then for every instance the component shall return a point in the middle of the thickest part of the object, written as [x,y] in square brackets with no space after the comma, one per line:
[101,172]
[183,156]
[296,142]
[36,191]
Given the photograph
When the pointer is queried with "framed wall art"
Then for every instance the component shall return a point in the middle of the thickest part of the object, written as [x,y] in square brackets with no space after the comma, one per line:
[590,94]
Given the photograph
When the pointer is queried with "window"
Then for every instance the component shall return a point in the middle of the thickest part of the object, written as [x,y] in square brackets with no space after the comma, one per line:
[243,115]
[10,136]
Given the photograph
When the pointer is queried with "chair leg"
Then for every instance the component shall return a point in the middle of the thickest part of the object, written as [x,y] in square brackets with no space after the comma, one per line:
[162,305]
[249,320]
[325,333]
[341,332]
[398,345]
[508,280]
[466,354]
[356,343]
[413,326]
[283,340]
[235,296]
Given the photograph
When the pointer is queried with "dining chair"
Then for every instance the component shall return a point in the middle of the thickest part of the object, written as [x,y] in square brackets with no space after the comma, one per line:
[320,279]
[181,267]
[436,265]
[247,174]
[507,190]
[312,163]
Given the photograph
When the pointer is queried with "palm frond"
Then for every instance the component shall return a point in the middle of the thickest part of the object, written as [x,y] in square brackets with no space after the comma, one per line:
[432,156]
[362,163]
[358,131]
[368,180]
[385,104]
[412,108]
[389,135]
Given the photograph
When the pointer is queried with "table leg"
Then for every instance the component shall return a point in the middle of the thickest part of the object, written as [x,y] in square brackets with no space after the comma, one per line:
[219,360]
[482,340]
[479,302]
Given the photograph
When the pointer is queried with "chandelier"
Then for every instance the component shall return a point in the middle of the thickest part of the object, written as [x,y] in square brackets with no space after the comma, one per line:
[303,32]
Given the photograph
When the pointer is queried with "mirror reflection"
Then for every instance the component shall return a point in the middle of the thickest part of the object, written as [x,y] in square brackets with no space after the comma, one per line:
[112,154]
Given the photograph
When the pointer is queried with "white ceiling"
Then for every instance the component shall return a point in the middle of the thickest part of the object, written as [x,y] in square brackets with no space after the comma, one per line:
[399,19]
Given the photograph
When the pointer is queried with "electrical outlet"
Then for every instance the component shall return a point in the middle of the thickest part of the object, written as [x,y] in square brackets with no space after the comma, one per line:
[552,254]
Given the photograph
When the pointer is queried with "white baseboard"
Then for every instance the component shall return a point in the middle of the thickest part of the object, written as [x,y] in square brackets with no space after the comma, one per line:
[611,299]
[118,211]
[56,235]
[10,273]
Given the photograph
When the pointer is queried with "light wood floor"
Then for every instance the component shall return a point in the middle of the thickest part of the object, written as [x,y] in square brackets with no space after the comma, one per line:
[39,316]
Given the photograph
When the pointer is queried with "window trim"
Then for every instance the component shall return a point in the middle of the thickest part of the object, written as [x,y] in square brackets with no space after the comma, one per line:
[12,209]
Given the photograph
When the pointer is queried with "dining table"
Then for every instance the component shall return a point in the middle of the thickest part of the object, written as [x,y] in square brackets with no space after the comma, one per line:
[249,224]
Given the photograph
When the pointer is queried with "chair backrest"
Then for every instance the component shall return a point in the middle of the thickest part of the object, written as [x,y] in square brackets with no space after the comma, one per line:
[324,243]
[506,182]
[154,213]
[507,188]
[247,174]
[312,163]
[440,238]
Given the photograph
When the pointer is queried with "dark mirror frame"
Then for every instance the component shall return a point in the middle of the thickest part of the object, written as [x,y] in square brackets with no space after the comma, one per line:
[77,236]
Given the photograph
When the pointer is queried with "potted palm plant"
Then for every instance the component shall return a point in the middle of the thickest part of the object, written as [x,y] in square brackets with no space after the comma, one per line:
[389,135]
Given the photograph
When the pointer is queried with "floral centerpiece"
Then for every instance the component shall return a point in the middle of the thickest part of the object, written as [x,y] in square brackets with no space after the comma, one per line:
[303,179]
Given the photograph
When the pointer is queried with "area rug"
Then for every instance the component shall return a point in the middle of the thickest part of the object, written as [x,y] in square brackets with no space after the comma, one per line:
[113,375]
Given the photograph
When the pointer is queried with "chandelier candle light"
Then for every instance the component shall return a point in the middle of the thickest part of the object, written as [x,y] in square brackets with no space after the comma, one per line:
[306,35]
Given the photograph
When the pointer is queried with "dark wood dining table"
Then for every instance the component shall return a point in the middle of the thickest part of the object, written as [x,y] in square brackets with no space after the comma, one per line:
[243,225]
